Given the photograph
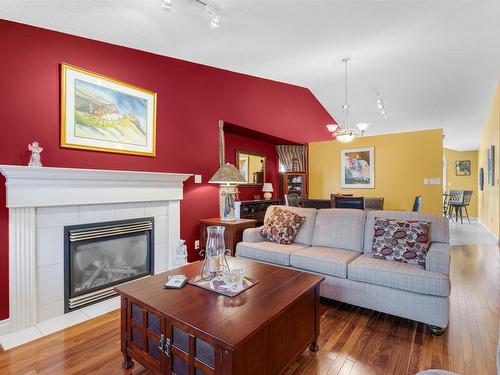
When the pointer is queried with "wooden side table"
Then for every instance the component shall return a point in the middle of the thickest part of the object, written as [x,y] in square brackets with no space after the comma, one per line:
[232,234]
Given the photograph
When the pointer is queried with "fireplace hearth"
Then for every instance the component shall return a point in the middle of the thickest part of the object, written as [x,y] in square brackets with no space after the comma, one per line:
[99,256]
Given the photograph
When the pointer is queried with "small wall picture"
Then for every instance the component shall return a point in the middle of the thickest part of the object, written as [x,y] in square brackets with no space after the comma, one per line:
[491,165]
[357,168]
[101,113]
[462,167]
[481,179]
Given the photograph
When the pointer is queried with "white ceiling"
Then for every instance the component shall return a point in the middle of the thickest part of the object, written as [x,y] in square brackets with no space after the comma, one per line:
[436,63]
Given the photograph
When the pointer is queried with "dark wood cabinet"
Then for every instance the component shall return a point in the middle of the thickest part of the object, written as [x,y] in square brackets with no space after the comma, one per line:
[256,209]
[232,234]
[193,331]
[293,182]
[165,346]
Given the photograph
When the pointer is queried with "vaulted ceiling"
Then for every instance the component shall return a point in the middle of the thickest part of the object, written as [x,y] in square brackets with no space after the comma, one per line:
[436,63]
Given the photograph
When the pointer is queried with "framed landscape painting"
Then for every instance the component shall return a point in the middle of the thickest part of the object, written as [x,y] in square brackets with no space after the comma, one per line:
[357,168]
[100,113]
[462,167]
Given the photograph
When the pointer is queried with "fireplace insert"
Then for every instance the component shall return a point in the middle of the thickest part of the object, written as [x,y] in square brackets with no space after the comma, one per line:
[99,256]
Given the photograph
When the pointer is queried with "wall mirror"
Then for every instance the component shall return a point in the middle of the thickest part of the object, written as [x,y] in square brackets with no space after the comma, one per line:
[252,167]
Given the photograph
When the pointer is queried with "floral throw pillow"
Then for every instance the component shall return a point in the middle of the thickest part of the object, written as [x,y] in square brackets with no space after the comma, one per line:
[282,226]
[401,241]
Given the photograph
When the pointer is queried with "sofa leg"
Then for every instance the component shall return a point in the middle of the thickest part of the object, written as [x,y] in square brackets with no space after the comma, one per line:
[314,347]
[435,330]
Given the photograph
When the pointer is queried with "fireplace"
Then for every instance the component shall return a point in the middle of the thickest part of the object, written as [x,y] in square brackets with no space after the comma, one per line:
[99,256]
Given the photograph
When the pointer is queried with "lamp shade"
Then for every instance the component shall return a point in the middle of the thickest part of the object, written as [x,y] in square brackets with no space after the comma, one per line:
[227,174]
[332,128]
[363,126]
[267,187]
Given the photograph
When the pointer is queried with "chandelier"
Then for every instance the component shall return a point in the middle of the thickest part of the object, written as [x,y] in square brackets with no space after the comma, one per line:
[344,133]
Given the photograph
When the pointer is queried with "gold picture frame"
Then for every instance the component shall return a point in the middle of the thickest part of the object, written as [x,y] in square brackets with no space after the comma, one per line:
[104,114]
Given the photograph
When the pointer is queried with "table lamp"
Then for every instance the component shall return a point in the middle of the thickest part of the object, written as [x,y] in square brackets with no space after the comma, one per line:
[227,176]
[267,188]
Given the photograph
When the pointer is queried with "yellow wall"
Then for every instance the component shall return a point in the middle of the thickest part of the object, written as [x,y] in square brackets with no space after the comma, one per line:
[454,182]
[488,202]
[402,161]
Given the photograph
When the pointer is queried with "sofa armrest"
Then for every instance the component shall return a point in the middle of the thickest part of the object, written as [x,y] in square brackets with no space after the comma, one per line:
[252,235]
[438,258]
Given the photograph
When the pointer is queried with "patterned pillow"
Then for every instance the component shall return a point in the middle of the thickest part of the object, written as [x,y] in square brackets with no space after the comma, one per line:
[401,241]
[282,226]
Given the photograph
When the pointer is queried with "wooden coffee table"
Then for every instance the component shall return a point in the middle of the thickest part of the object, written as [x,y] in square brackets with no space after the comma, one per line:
[196,331]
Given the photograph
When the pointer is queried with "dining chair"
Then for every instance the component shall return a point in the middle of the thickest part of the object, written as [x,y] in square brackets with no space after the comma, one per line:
[333,196]
[465,203]
[446,198]
[292,200]
[317,203]
[417,203]
[350,202]
[374,203]
[455,201]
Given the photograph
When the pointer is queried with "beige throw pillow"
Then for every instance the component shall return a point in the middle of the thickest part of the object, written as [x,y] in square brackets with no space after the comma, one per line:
[282,226]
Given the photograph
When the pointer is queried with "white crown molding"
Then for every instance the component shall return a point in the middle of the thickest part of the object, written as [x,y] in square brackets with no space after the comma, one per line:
[45,186]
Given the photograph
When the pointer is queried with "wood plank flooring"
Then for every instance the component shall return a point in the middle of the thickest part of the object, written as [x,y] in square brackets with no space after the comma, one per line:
[353,340]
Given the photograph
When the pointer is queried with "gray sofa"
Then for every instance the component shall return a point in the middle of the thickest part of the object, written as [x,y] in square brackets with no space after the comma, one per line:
[336,243]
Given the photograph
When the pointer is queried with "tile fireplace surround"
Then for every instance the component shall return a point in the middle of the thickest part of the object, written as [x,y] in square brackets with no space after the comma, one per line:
[42,201]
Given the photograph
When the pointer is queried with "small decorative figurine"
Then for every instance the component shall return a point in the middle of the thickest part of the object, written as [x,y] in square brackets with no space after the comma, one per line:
[35,155]
[180,254]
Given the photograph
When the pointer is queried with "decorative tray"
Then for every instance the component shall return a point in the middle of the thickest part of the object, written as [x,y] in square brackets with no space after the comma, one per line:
[218,285]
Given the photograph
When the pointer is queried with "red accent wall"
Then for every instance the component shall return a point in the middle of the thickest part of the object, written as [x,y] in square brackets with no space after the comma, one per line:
[191,100]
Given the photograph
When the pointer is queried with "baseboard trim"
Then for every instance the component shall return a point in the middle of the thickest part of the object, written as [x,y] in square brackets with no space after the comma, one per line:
[4,326]
[488,230]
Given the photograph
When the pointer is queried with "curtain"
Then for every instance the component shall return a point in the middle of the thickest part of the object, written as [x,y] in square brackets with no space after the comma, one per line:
[287,154]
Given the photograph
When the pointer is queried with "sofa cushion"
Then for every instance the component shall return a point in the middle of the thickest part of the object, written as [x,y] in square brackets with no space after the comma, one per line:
[404,276]
[439,225]
[325,260]
[269,252]
[306,231]
[401,240]
[340,228]
[282,226]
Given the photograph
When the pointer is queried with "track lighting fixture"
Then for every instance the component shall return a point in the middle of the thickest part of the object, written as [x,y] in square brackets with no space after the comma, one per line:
[210,9]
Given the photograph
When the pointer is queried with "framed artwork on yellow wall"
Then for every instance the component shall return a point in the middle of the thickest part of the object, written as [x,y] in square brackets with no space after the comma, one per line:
[104,114]
[462,168]
[357,168]
[491,165]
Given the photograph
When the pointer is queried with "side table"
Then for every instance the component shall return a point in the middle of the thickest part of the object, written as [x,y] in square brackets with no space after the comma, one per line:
[232,234]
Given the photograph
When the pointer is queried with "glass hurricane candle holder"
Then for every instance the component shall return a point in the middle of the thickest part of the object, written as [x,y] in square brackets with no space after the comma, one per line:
[215,262]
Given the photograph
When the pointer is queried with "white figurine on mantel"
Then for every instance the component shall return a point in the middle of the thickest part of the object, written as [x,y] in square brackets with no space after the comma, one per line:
[180,254]
[35,155]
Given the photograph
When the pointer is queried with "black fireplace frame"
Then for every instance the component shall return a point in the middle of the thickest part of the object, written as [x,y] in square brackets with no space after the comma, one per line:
[68,249]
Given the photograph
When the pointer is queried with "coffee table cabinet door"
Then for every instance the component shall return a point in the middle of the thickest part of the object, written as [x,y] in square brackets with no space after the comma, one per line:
[190,354]
[148,339]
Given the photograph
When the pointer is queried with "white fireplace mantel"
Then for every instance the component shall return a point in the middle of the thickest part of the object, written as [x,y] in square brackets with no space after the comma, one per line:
[44,186]
[30,188]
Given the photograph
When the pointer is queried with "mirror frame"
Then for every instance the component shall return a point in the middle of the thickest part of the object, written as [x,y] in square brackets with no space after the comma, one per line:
[263,156]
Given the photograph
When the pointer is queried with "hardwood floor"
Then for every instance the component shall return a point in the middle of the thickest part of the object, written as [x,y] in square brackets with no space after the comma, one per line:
[353,340]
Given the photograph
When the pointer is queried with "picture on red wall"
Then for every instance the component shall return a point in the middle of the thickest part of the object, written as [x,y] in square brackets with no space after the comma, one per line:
[104,114]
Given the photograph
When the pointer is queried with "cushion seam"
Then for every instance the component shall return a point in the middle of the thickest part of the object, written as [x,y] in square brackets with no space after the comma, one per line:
[401,273]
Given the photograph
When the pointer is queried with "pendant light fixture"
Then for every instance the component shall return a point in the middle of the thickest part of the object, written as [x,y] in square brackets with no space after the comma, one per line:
[344,133]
